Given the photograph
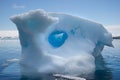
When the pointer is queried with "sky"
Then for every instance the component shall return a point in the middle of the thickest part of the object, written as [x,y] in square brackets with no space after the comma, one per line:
[106,12]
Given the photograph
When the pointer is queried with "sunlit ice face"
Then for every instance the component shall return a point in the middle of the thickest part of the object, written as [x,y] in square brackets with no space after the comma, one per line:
[66,38]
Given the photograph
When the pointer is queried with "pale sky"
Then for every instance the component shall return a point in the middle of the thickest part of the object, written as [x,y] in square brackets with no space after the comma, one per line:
[106,12]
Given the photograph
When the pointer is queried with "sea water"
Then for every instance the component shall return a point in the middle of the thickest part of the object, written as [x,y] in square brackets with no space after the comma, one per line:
[10,52]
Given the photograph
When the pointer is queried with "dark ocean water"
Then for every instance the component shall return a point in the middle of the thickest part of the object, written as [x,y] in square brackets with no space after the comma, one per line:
[10,69]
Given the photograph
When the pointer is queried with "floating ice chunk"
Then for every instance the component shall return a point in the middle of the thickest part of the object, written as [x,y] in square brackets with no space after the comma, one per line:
[67,77]
[59,43]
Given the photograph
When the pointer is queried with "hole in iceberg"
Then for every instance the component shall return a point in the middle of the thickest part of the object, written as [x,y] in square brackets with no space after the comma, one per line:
[57,38]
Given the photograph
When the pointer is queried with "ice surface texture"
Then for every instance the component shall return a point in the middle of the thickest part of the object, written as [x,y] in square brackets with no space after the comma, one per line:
[59,43]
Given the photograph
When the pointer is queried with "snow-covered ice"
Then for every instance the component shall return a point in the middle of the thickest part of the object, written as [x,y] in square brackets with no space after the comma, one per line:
[59,43]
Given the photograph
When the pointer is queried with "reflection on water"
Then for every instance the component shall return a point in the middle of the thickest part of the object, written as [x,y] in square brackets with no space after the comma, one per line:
[10,49]
[43,77]
[105,73]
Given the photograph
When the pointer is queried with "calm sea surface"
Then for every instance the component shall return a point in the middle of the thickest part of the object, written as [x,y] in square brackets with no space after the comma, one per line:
[10,69]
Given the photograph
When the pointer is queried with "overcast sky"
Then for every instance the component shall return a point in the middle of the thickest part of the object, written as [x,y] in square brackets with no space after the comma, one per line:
[106,12]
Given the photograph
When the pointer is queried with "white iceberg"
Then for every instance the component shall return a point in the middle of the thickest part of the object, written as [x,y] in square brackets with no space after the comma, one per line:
[59,43]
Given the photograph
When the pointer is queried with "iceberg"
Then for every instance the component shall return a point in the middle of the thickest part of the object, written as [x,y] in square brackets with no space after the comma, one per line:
[58,43]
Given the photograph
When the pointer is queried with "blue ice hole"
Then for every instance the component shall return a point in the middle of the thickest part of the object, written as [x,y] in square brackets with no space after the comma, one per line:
[57,38]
